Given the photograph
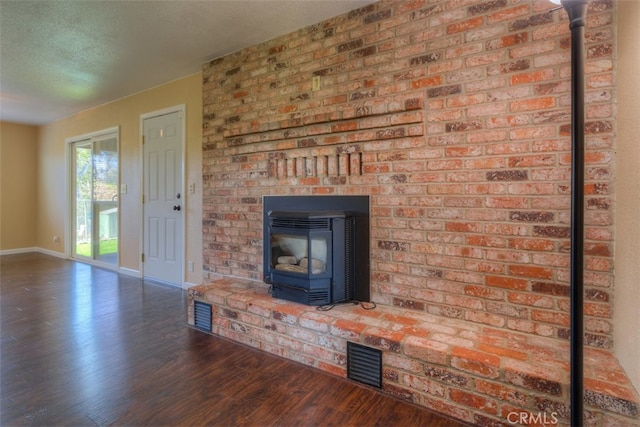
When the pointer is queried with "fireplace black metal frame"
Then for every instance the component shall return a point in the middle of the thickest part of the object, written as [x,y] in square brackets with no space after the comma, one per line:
[344,221]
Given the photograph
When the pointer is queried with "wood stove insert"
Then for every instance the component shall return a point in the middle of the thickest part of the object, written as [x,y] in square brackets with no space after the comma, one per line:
[316,257]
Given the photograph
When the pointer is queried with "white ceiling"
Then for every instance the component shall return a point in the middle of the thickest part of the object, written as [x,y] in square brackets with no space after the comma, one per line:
[59,57]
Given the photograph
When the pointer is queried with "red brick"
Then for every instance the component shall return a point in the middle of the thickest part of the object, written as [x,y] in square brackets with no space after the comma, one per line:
[425,385]
[509,14]
[533,104]
[344,126]
[400,362]
[554,317]
[444,407]
[475,362]
[465,25]
[287,313]
[501,391]
[597,310]
[383,339]
[530,299]
[497,320]
[532,77]
[486,240]
[539,378]
[347,329]
[531,271]
[426,350]
[427,82]
[474,401]
[485,292]
[532,244]
[463,227]
[507,282]
[502,351]
[315,321]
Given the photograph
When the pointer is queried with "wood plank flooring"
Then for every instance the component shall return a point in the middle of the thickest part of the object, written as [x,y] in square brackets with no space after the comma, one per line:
[83,346]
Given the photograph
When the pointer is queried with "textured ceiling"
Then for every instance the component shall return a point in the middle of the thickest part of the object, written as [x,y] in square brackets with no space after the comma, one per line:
[59,57]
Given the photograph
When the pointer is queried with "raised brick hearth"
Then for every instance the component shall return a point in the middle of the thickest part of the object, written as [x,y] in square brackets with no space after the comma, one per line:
[478,374]
[453,117]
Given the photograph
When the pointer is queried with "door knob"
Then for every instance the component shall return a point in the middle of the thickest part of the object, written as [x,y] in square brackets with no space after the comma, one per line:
[176,208]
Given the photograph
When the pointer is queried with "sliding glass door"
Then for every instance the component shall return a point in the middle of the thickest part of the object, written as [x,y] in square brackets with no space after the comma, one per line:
[95,202]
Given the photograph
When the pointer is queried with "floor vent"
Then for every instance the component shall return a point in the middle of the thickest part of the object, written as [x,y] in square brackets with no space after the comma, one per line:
[364,364]
[202,316]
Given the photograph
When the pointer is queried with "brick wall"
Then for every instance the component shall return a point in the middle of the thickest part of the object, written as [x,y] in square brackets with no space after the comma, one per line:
[454,116]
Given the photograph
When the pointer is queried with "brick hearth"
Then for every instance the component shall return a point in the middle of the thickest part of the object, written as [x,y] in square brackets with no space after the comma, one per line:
[475,373]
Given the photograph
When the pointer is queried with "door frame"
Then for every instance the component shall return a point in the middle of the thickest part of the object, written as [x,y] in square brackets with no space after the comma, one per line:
[69,228]
[181,109]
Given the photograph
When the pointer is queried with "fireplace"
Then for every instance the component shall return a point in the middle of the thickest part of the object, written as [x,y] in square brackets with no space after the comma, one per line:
[316,249]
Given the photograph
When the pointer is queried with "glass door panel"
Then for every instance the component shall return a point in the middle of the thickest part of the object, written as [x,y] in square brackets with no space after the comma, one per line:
[95,207]
[105,200]
[83,186]
[296,253]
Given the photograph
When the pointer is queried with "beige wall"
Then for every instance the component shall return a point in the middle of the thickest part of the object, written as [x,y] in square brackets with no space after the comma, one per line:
[125,114]
[627,249]
[18,186]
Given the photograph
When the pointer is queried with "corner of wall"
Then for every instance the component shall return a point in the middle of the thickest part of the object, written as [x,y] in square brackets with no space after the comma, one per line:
[627,214]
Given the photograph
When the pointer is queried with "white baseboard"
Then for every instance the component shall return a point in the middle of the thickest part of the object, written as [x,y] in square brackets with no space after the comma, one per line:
[187,285]
[121,270]
[129,272]
[18,251]
[33,249]
[52,253]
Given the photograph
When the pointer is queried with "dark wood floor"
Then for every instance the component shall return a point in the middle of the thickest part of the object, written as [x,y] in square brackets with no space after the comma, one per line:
[85,346]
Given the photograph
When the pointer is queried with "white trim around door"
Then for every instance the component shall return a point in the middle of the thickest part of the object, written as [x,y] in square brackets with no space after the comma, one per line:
[154,266]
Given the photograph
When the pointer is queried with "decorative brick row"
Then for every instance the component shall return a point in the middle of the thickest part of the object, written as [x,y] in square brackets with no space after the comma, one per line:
[293,165]
[475,373]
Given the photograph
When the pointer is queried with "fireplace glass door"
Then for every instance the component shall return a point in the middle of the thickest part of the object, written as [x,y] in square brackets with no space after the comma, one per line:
[303,254]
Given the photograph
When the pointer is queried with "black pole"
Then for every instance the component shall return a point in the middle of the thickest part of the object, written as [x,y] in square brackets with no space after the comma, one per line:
[577,11]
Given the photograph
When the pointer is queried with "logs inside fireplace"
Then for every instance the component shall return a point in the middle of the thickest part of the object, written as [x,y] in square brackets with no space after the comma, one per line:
[315,254]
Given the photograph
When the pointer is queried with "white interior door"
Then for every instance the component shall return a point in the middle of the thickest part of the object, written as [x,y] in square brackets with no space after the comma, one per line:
[163,258]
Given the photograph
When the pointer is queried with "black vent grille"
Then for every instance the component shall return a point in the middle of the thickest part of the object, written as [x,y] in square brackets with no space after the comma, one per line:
[302,223]
[202,316]
[364,364]
[319,297]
